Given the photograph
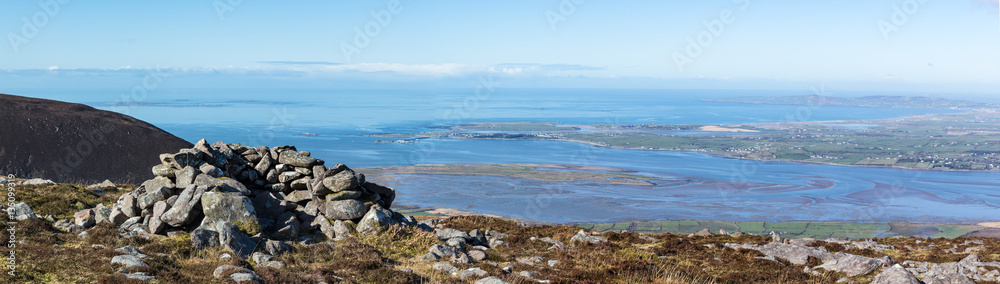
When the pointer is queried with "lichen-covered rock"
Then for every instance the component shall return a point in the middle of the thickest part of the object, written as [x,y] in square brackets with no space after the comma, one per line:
[445,267]
[852,265]
[345,209]
[231,208]
[67,226]
[287,227]
[795,254]
[287,177]
[182,212]
[583,237]
[127,205]
[375,220]
[226,270]
[491,280]
[299,196]
[344,180]
[20,212]
[296,159]
[449,233]
[344,195]
[106,185]
[277,248]
[476,255]
[895,275]
[203,238]
[386,194]
[129,261]
[267,205]
[85,218]
[232,238]
[474,272]
[131,250]
[184,158]
[244,278]
[102,213]
[117,217]
[152,196]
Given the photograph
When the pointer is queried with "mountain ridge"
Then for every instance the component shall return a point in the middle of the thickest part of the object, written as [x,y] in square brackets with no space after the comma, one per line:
[66,141]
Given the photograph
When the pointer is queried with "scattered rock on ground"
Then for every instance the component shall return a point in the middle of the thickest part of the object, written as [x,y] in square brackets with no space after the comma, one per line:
[583,237]
[141,276]
[226,270]
[20,212]
[37,181]
[106,185]
[491,280]
[445,267]
[474,272]
[129,261]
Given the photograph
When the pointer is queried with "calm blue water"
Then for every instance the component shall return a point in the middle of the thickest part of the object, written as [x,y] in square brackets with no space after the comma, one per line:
[342,118]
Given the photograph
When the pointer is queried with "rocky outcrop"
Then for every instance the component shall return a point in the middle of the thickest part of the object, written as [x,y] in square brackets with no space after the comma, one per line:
[796,254]
[853,265]
[895,275]
[968,270]
[239,197]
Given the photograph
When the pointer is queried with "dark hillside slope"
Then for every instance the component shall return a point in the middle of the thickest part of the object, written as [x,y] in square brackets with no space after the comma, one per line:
[74,142]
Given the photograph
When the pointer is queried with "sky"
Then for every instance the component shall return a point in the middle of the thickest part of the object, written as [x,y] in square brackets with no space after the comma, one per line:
[893,45]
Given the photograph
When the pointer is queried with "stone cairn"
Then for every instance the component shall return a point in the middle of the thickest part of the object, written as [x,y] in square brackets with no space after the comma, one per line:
[239,196]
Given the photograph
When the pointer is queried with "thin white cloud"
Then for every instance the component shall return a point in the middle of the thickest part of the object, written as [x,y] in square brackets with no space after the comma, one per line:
[317,68]
[408,69]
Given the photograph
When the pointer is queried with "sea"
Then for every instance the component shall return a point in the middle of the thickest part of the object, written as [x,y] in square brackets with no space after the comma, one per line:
[335,125]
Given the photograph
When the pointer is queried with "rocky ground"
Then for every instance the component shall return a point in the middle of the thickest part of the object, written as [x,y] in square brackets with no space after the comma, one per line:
[232,213]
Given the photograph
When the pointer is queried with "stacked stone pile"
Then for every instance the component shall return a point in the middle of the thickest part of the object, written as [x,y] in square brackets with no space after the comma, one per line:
[231,194]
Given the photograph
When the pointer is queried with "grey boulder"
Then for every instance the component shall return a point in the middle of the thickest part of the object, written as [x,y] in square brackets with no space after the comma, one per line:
[129,261]
[345,209]
[895,275]
[182,212]
[296,159]
[583,237]
[203,238]
[85,218]
[21,212]
[230,208]
[852,265]
[491,280]
[375,220]
[232,238]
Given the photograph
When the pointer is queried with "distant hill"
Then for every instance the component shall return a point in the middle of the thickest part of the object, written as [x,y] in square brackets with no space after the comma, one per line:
[869,101]
[69,142]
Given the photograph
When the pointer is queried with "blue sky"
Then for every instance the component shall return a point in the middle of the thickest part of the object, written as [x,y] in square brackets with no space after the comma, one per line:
[854,44]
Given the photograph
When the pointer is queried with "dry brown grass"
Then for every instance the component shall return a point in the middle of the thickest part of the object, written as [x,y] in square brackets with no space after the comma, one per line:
[48,256]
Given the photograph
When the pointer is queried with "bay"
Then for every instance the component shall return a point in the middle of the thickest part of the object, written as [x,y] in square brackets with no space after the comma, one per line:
[342,119]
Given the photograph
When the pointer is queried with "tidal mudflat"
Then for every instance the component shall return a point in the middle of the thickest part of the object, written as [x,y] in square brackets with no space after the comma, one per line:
[569,194]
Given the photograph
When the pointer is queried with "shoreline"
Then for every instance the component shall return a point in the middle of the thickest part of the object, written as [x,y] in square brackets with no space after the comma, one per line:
[732,129]
[720,155]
